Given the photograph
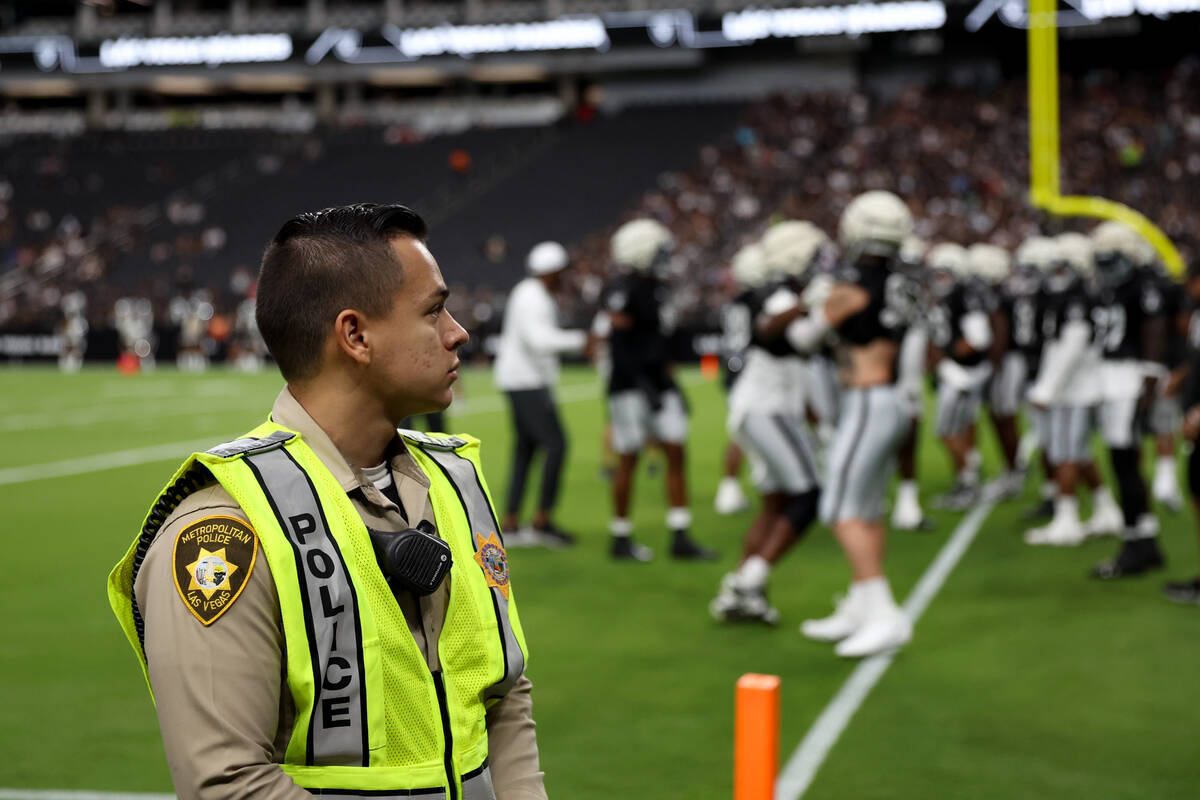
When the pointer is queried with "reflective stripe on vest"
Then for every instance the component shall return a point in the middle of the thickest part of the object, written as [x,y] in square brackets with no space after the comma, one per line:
[476,785]
[465,480]
[337,728]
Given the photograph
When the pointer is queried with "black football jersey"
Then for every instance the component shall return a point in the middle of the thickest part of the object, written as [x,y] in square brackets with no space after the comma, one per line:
[1119,313]
[947,316]
[1191,387]
[640,353]
[1020,299]
[1175,308]
[892,304]
[1059,308]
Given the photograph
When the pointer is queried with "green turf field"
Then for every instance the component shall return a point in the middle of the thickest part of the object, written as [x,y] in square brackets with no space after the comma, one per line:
[1025,680]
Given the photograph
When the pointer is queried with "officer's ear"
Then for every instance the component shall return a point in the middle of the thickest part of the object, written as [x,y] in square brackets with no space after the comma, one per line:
[349,332]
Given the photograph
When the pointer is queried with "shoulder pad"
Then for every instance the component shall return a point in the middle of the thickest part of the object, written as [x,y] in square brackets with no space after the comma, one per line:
[248,446]
[436,442]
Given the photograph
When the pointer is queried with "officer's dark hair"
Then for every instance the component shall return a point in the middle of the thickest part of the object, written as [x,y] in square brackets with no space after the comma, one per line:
[321,263]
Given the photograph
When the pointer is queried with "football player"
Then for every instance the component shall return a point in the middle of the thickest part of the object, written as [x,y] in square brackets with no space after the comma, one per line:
[868,308]
[1166,415]
[1007,383]
[961,334]
[1132,330]
[643,399]
[766,417]
[1187,377]
[914,356]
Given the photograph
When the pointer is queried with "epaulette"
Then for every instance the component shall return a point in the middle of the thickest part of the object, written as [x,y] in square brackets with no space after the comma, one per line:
[249,446]
[436,442]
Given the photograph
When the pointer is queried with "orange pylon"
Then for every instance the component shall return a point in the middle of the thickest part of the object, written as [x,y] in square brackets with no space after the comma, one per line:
[756,737]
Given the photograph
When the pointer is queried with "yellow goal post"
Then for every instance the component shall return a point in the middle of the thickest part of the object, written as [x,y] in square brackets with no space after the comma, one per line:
[1044,143]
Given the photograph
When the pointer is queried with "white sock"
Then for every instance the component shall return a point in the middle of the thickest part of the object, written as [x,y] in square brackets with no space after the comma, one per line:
[1164,471]
[974,460]
[1147,526]
[679,519]
[726,482]
[754,572]
[621,526]
[906,494]
[875,594]
[1066,509]
[968,476]
[1102,498]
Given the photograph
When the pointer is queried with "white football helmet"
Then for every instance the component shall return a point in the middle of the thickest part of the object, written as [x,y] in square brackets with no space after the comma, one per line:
[1076,250]
[640,244]
[790,247]
[1117,250]
[1036,253]
[948,257]
[875,223]
[989,262]
[749,267]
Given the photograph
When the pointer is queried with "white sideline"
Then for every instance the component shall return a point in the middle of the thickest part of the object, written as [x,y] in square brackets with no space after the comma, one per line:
[166,452]
[797,775]
[57,794]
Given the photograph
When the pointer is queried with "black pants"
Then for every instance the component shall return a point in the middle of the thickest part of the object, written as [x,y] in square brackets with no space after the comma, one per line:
[536,422]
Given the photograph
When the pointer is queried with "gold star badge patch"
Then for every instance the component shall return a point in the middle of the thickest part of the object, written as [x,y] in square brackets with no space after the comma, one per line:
[213,559]
[490,555]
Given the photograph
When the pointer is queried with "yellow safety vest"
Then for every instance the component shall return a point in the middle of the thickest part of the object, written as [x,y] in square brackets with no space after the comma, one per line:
[371,718]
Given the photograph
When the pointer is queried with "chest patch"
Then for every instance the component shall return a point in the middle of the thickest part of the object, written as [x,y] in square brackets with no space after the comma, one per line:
[213,559]
[491,557]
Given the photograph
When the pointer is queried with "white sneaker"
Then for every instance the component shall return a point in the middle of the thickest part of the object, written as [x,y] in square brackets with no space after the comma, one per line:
[1059,533]
[843,622]
[1106,520]
[1169,497]
[730,498]
[907,516]
[879,634]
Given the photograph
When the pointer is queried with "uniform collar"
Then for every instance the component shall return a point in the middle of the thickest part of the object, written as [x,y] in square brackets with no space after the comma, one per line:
[288,412]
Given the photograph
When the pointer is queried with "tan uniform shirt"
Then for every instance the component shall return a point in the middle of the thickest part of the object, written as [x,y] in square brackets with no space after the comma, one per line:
[221,691]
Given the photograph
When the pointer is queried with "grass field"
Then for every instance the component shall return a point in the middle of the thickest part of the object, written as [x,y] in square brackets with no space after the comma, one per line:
[1025,679]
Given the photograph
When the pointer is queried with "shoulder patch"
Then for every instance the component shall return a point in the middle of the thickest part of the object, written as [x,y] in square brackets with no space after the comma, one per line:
[212,562]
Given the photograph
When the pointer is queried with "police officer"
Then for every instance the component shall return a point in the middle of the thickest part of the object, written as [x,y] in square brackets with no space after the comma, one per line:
[288,595]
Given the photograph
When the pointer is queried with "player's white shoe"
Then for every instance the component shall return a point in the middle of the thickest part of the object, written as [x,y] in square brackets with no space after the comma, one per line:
[843,622]
[734,603]
[730,498]
[906,515]
[1059,533]
[1106,520]
[1167,493]
[878,634]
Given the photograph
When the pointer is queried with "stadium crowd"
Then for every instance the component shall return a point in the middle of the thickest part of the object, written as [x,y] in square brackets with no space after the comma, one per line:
[955,154]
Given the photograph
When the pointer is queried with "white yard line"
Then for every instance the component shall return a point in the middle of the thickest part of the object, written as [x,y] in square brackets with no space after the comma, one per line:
[801,768]
[176,450]
[59,794]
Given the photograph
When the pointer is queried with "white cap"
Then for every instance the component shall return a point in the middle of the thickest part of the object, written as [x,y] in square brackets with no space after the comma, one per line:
[547,257]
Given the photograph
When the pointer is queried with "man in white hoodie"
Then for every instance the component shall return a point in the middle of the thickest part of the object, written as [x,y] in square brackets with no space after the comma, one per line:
[526,370]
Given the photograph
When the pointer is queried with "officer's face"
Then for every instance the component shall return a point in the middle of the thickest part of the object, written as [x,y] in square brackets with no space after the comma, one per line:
[415,347]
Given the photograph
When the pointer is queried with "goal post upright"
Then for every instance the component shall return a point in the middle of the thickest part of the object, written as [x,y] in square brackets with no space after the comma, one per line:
[1044,173]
